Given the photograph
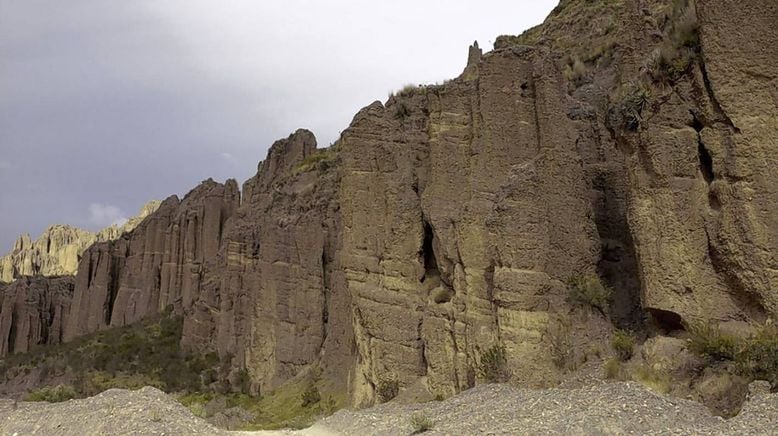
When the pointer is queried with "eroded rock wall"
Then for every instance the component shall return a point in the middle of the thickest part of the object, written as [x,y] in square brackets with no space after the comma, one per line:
[275,299]
[702,196]
[448,220]
[156,265]
[33,312]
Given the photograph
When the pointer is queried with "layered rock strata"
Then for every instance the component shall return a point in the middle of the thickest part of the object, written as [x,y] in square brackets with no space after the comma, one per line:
[447,221]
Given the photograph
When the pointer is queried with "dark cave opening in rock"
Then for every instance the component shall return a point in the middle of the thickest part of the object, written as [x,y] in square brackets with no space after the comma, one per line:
[706,162]
[428,254]
[666,321]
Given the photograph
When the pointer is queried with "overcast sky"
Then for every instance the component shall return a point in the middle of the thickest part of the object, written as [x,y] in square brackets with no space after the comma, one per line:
[107,104]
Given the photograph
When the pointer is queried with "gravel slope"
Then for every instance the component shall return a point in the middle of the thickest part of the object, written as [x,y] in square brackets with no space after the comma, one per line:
[147,411]
[607,409]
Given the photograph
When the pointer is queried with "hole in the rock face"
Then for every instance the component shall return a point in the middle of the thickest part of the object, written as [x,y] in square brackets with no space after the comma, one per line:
[706,163]
[666,321]
[696,124]
[428,253]
[713,200]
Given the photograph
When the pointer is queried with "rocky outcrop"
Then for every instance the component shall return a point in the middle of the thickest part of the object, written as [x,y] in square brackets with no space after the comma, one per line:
[702,206]
[156,265]
[448,221]
[58,250]
[463,220]
[275,297]
[33,312]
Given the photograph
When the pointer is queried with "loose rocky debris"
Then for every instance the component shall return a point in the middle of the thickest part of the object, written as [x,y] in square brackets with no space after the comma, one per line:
[147,411]
[607,409]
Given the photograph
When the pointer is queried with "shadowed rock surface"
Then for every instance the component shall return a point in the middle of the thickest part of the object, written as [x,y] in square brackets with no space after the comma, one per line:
[33,312]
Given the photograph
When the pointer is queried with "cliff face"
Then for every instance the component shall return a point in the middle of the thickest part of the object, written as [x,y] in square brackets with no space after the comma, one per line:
[156,265]
[33,312]
[634,140]
[58,250]
[704,199]
[275,297]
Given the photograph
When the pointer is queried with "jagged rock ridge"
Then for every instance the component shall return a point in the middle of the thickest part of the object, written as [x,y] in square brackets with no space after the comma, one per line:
[58,250]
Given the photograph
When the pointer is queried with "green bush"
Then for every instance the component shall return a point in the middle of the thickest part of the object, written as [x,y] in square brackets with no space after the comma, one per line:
[756,357]
[623,344]
[387,388]
[680,47]
[589,290]
[709,342]
[759,357]
[492,364]
[55,394]
[243,381]
[147,353]
[613,369]
[310,396]
[321,160]
[576,73]
[421,423]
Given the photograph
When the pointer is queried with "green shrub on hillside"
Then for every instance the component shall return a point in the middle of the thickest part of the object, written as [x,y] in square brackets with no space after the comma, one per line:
[756,356]
[589,291]
[709,342]
[421,423]
[387,388]
[310,396]
[320,160]
[492,364]
[147,353]
[623,344]
[55,394]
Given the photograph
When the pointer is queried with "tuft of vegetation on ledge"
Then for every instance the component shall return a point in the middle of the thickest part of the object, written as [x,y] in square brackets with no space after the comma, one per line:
[755,356]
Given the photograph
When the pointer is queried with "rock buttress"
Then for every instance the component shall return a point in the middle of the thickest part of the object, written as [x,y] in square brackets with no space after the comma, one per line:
[465,210]
[33,312]
[275,298]
[156,265]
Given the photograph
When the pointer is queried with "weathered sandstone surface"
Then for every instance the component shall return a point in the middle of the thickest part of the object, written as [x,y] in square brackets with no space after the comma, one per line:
[58,250]
[449,219]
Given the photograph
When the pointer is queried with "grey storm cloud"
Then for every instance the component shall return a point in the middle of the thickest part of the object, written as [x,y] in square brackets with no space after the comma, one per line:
[105,105]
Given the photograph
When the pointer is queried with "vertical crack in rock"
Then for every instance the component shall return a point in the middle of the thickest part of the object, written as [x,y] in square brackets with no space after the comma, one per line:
[325,289]
[428,254]
[749,303]
[713,99]
[12,333]
[113,289]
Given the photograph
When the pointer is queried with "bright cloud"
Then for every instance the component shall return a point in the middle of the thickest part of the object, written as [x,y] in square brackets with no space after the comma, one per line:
[105,215]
